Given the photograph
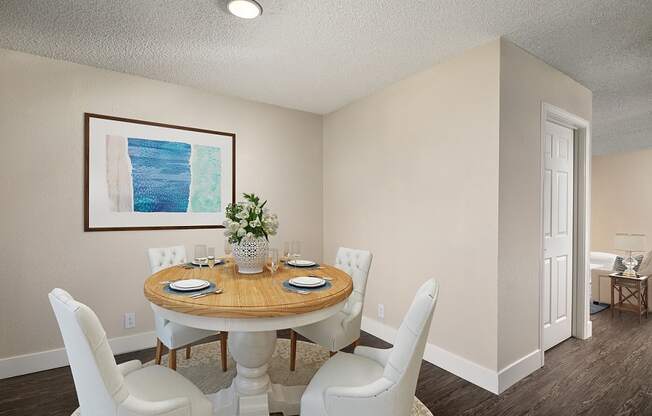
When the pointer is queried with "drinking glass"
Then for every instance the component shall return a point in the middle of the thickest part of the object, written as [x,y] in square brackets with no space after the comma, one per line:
[295,250]
[273,260]
[200,253]
[227,248]
[286,251]
[210,254]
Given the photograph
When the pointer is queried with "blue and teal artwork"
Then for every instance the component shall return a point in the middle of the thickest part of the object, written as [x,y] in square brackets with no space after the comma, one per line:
[162,176]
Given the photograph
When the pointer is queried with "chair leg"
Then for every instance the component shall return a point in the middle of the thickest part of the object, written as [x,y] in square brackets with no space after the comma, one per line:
[223,338]
[355,343]
[172,358]
[332,353]
[159,351]
[293,349]
[187,352]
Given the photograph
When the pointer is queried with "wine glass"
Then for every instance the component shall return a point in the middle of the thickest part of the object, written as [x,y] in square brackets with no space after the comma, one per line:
[210,254]
[200,253]
[227,248]
[273,260]
[295,250]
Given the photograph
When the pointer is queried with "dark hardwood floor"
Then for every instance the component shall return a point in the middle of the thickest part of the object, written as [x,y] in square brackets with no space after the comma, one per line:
[610,374]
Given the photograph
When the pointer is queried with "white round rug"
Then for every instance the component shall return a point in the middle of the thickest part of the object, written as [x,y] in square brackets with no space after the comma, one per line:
[203,368]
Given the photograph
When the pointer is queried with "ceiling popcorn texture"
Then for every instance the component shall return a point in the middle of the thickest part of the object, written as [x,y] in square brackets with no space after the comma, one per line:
[319,55]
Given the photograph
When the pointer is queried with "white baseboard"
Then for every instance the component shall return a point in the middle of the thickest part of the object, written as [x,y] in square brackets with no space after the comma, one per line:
[493,381]
[461,367]
[46,360]
[518,370]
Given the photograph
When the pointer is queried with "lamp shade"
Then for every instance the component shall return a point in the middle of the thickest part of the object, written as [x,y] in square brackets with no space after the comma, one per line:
[630,242]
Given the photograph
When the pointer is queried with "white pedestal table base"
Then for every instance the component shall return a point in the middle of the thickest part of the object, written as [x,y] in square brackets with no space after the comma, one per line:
[252,393]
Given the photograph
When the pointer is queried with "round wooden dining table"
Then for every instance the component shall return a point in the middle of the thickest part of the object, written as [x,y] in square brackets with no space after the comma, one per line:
[251,308]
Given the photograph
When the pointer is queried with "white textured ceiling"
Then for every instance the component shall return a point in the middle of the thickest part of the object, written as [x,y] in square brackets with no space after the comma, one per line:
[318,55]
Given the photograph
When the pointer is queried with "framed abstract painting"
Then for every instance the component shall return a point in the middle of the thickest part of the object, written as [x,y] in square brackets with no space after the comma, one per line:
[141,175]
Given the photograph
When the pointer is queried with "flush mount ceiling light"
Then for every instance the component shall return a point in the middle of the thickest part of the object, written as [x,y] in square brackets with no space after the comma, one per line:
[245,9]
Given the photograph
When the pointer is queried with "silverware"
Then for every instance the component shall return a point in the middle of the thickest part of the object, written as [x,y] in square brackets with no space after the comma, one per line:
[201,295]
[321,277]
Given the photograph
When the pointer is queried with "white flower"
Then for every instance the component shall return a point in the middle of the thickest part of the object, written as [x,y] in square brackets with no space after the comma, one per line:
[244,212]
[268,219]
[240,224]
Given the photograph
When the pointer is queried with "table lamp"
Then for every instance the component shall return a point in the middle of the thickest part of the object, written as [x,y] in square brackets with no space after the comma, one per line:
[630,243]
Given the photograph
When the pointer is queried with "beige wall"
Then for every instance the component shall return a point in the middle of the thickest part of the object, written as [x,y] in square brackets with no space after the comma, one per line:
[619,177]
[411,173]
[42,243]
[525,82]
[441,171]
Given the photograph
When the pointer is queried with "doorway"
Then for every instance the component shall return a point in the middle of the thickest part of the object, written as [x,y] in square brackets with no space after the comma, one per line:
[565,218]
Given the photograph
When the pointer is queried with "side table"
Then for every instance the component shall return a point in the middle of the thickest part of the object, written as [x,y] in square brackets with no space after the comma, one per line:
[632,294]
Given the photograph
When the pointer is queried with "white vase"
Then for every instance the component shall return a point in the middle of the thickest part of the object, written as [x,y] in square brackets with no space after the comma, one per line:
[250,254]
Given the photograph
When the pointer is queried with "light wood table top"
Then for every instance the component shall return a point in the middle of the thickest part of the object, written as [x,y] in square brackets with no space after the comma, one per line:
[248,296]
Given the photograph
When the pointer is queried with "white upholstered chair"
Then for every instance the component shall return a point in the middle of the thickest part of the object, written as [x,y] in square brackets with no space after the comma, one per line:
[342,329]
[373,381]
[129,389]
[171,334]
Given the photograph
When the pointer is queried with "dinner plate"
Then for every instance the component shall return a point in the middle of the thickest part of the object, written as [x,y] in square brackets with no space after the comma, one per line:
[301,263]
[189,285]
[205,263]
[307,281]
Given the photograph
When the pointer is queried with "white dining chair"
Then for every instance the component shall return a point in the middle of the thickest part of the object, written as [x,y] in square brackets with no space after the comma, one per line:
[379,382]
[343,328]
[129,389]
[171,334]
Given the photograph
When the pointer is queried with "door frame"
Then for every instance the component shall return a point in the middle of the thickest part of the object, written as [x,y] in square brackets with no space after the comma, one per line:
[580,322]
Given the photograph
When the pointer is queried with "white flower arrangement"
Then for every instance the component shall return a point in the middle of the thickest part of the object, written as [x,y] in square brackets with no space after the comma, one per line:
[249,219]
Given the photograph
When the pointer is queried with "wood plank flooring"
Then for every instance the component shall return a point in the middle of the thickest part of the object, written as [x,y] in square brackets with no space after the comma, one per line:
[610,374]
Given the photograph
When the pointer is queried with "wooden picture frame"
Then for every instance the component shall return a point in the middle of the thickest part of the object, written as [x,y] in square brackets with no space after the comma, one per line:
[143,175]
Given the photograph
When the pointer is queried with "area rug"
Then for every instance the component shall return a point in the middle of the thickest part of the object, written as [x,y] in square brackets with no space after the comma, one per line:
[203,368]
[597,307]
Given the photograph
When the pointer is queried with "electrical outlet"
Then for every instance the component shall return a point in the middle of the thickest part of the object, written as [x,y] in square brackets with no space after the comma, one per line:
[130,320]
[381,311]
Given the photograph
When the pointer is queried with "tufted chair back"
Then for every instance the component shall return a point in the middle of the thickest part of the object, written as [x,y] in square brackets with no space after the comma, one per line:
[99,383]
[162,258]
[356,263]
[404,361]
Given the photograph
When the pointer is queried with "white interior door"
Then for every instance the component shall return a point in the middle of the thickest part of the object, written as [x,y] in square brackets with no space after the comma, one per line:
[557,234]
